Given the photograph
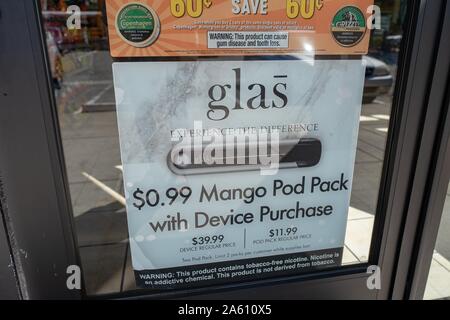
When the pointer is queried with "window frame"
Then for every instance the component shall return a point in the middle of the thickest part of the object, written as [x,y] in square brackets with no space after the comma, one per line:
[50,243]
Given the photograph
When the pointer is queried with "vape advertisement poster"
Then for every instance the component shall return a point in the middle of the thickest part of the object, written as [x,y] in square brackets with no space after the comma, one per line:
[161,28]
[236,170]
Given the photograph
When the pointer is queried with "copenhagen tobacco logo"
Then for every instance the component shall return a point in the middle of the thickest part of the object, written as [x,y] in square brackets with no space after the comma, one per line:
[138,25]
[348,26]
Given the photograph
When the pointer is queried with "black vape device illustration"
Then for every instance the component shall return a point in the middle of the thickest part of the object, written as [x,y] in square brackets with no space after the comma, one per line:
[302,153]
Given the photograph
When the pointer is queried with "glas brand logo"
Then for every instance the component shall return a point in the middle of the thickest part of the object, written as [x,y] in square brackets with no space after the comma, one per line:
[258,96]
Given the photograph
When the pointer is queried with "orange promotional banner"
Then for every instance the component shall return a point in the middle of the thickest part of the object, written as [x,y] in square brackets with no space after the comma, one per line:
[164,28]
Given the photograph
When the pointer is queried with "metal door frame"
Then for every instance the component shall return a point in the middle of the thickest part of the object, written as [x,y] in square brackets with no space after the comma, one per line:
[8,288]
[439,176]
[32,172]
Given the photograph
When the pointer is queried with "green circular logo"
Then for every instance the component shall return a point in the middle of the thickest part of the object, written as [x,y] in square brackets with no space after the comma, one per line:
[138,25]
[348,26]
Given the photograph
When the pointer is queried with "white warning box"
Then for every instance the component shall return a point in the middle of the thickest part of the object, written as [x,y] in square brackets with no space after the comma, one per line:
[247,40]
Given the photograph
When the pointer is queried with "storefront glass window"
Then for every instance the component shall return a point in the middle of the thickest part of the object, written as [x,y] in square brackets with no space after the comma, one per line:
[81,69]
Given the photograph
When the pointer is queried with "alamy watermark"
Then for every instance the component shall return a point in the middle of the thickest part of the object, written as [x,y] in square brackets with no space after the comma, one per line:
[74,19]
[73,281]
[213,149]
[374,280]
